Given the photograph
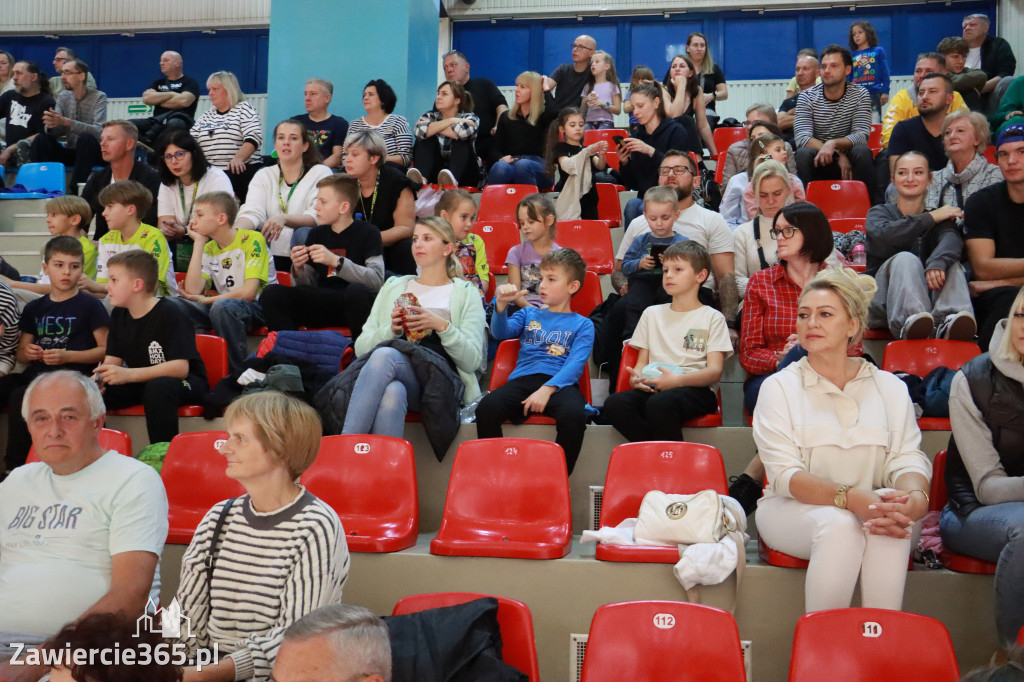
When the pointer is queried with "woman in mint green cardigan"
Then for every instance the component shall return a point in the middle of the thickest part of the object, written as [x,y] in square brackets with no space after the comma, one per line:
[440,313]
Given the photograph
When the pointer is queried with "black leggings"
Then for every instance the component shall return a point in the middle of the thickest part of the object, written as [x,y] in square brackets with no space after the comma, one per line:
[160,398]
[641,416]
[427,159]
[292,307]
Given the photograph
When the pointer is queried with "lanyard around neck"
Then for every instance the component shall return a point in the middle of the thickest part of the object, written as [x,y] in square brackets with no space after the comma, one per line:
[280,181]
[373,202]
[187,210]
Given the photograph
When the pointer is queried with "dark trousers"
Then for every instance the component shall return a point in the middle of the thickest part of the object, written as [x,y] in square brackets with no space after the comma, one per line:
[859,156]
[19,441]
[990,307]
[641,416]
[288,308]
[240,181]
[752,386]
[428,160]
[81,159]
[398,258]
[566,406]
[160,399]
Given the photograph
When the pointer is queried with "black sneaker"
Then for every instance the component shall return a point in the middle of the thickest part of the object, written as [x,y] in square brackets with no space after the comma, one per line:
[746,491]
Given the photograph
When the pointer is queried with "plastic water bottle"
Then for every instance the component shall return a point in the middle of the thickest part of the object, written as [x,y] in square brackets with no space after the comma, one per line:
[858,257]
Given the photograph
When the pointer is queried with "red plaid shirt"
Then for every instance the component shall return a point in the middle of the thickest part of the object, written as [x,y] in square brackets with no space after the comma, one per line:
[769,317]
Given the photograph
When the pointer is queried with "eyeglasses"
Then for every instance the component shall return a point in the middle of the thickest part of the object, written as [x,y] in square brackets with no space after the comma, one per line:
[577,46]
[176,156]
[786,232]
[70,73]
[674,170]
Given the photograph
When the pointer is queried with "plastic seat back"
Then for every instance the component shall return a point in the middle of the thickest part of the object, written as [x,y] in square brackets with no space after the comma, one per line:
[498,202]
[370,482]
[720,166]
[591,239]
[938,498]
[589,296]
[866,645]
[42,176]
[109,439]
[507,497]
[195,479]
[608,207]
[214,352]
[840,198]
[937,494]
[846,225]
[518,648]
[875,138]
[726,137]
[634,469]
[505,361]
[284,278]
[990,154]
[921,356]
[609,135]
[499,236]
[663,640]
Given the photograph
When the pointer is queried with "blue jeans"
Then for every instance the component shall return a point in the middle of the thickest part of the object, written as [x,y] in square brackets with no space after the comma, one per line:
[384,391]
[632,210]
[527,170]
[995,533]
[231,318]
[299,235]
[752,386]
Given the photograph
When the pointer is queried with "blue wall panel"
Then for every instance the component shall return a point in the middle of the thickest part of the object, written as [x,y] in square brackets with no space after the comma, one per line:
[755,31]
[116,59]
[513,57]
[558,42]
[655,44]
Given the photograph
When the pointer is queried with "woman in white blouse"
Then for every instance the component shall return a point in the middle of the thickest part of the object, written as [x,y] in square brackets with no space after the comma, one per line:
[281,197]
[184,175]
[838,437]
[754,247]
[230,132]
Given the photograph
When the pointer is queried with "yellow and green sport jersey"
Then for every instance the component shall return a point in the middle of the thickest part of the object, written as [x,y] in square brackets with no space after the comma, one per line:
[89,251]
[246,257]
[147,238]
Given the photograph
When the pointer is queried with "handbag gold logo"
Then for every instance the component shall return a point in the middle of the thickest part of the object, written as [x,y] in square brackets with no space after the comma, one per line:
[676,510]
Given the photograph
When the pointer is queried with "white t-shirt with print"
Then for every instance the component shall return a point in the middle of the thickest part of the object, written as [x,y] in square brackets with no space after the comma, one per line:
[682,339]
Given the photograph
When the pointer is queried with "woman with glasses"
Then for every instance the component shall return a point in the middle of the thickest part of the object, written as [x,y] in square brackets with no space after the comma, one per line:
[184,175]
[847,480]
[768,340]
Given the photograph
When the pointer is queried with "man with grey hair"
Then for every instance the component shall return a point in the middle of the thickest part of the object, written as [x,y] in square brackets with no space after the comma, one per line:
[81,530]
[60,56]
[991,54]
[737,157]
[326,131]
[335,643]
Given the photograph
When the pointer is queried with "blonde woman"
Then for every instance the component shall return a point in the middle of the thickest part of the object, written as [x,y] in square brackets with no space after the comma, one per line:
[230,133]
[965,135]
[755,249]
[712,77]
[518,152]
[838,437]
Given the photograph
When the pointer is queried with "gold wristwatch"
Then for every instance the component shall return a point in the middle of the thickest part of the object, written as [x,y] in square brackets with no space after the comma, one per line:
[840,497]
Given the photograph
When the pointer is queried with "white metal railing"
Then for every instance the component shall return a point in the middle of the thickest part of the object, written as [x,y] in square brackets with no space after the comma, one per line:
[118,108]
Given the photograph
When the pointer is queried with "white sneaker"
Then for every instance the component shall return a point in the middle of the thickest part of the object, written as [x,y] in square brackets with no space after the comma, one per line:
[446,178]
[959,326]
[918,326]
[415,176]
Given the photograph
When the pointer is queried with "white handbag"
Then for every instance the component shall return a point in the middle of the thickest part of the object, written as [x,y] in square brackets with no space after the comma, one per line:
[664,520]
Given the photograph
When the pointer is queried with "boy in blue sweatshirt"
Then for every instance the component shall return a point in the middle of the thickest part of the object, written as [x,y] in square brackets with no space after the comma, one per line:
[555,344]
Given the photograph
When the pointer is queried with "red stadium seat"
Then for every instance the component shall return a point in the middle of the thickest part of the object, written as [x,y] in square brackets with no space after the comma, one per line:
[214,352]
[720,167]
[637,468]
[507,497]
[875,138]
[498,202]
[499,237]
[867,645]
[344,331]
[591,239]
[726,137]
[505,361]
[629,356]
[589,296]
[518,648]
[609,134]
[840,198]
[284,278]
[663,640]
[921,356]
[110,439]
[990,154]
[179,277]
[195,479]
[878,335]
[370,482]
[951,560]
[846,225]
[608,207]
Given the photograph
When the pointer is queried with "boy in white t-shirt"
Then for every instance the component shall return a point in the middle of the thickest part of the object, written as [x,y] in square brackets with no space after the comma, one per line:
[235,264]
[682,346]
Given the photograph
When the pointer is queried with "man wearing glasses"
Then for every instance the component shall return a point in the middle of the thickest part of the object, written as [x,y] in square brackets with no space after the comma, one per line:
[567,80]
[62,55]
[117,145]
[78,118]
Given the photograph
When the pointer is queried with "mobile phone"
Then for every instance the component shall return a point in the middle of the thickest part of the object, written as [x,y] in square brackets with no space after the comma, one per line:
[618,139]
[657,250]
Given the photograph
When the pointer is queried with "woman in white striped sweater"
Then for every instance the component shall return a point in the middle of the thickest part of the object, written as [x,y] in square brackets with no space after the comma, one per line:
[230,132]
[379,102]
[280,552]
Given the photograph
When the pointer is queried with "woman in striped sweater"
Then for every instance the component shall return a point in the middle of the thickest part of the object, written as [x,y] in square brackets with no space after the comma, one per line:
[379,102]
[230,132]
[280,552]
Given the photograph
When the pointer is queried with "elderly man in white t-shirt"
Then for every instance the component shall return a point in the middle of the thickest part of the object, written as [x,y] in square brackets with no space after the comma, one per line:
[81,531]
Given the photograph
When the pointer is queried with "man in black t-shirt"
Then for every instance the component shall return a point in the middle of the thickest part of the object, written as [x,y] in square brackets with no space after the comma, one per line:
[23,108]
[327,131]
[174,91]
[923,133]
[993,218]
[488,102]
[567,80]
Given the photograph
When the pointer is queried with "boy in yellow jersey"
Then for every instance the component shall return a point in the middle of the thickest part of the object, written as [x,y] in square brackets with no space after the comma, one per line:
[235,264]
[124,204]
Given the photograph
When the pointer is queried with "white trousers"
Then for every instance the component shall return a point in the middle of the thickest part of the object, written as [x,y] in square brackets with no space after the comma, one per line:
[839,549]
